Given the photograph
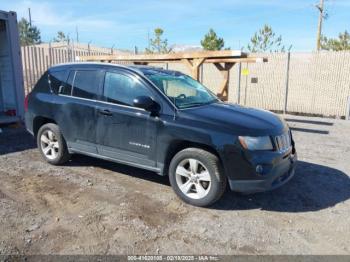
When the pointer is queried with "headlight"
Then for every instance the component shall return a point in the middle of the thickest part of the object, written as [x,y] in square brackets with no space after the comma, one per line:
[256,142]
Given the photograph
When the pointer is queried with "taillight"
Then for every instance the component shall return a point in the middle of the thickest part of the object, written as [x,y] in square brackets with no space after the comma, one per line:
[10,112]
[26,103]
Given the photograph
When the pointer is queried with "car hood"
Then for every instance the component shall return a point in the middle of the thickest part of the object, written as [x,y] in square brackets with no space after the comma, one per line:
[238,119]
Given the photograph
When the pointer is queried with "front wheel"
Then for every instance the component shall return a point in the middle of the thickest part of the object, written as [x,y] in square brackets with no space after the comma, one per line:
[52,145]
[196,176]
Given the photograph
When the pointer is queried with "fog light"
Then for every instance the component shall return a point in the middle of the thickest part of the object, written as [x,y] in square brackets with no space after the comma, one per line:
[259,169]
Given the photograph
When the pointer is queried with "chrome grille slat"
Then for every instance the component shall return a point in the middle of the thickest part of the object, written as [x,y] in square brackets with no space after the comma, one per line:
[283,142]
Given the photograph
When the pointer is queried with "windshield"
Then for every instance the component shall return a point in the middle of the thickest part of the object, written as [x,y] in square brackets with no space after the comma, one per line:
[184,91]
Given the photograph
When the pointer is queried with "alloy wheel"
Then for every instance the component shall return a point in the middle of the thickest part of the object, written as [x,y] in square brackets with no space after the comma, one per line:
[193,178]
[49,144]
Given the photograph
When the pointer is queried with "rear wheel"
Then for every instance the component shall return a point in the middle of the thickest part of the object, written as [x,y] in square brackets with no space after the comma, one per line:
[196,177]
[52,145]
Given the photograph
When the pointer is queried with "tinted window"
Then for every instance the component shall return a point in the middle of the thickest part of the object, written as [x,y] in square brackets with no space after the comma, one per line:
[42,84]
[57,79]
[122,89]
[66,87]
[86,83]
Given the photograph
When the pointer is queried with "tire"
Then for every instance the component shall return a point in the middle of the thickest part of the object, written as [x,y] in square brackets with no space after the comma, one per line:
[195,177]
[52,145]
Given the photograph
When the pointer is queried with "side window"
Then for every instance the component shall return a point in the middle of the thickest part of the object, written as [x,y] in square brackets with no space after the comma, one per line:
[122,89]
[66,87]
[86,83]
[57,79]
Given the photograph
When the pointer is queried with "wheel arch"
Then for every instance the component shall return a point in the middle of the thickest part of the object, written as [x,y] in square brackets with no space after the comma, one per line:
[39,121]
[178,145]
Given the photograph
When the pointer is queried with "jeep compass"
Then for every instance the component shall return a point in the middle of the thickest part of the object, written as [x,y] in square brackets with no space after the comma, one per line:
[163,121]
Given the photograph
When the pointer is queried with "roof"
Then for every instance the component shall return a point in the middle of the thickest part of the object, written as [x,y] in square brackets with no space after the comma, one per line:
[146,70]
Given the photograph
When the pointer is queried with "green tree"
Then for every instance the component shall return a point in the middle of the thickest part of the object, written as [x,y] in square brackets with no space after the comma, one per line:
[61,37]
[28,34]
[212,42]
[157,44]
[265,40]
[336,44]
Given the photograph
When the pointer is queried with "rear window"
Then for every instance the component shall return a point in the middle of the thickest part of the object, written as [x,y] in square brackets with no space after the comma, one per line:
[57,79]
[86,83]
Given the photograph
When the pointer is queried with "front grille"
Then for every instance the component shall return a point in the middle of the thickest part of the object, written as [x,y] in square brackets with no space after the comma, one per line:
[283,142]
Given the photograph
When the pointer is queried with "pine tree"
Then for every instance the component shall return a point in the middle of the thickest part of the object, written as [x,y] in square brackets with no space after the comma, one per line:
[61,37]
[212,42]
[265,40]
[29,34]
[336,44]
[157,44]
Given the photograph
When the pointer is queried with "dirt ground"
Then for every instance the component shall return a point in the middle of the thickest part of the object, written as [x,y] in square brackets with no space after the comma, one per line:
[91,206]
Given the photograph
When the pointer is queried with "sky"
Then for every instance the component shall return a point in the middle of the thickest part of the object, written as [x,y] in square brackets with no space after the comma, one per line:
[125,24]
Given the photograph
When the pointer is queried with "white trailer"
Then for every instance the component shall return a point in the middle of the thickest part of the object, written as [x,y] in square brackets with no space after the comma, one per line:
[11,74]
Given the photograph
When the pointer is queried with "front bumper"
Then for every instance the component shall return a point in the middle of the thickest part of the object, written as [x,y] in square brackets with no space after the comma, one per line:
[280,173]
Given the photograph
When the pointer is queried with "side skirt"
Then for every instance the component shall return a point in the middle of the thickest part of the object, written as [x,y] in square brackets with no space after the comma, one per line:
[150,168]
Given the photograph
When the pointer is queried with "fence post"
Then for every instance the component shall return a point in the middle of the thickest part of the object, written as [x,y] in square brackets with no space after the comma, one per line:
[50,54]
[347,116]
[73,53]
[239,82]
[202,72]
[246,86]
[287,84]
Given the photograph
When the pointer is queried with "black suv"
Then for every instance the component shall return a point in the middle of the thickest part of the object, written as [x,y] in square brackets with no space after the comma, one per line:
[163,121]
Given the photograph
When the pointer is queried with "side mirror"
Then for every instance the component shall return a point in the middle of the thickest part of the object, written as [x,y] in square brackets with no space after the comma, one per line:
[146,103]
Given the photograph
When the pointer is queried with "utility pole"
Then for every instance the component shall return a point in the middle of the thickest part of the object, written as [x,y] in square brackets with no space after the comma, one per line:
[320,8]
[30,17]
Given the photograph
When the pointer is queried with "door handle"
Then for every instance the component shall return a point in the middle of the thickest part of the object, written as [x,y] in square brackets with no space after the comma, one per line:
[105,112]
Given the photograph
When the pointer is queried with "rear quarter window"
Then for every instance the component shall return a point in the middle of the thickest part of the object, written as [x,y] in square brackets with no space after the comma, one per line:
[66,87]
[43,84]
[57,79]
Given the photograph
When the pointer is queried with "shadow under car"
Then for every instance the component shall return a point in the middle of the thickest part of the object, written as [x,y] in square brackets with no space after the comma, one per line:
[313,187]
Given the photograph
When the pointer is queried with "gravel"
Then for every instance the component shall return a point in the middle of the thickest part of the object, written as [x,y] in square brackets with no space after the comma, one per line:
[90,206]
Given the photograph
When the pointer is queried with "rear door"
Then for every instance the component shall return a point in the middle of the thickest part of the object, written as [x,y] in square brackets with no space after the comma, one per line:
[77,115]
[125,132]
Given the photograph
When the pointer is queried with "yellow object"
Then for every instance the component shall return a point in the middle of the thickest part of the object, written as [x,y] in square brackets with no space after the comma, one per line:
[245,71]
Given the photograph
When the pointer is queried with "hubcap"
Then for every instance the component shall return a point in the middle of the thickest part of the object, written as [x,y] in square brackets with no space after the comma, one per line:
[49,144]
[193,178]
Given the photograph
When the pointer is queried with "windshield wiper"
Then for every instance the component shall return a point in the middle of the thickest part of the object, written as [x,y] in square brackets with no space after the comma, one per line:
[187,105]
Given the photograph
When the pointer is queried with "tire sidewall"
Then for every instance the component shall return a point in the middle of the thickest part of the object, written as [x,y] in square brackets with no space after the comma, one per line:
[213,166]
